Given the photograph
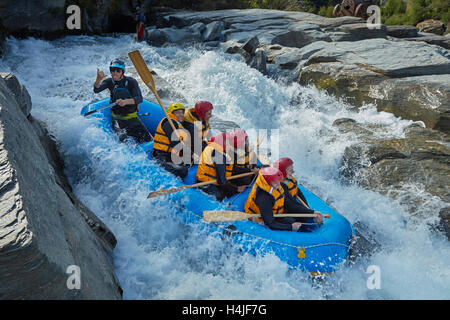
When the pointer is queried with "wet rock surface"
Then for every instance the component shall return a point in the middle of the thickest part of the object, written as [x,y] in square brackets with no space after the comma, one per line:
[45,231]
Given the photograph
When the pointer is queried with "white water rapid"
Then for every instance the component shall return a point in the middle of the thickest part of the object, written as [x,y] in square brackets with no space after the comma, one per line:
[157,257]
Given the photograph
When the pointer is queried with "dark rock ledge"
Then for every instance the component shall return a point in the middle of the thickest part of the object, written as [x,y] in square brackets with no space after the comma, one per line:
[44,228]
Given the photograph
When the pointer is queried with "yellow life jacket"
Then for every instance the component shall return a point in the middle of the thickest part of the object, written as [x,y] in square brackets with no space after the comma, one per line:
[206,170]
[277,194]
[292,186]
[205,131]
[246,157]
[161,141]
[124,117]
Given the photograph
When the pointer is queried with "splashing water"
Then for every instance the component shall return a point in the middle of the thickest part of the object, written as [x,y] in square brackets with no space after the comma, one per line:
[158,257]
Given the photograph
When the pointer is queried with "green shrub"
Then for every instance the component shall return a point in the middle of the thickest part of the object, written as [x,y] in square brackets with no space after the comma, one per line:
[288,5]
[395,20]
[414,11]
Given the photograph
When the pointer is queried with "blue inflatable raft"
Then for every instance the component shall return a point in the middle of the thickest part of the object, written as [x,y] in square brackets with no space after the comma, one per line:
[321,250]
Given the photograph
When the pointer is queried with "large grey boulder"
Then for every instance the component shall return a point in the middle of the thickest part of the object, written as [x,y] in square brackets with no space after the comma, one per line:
[259,61]
[36,17]
[360,31]
[299,35]
[166,36]
[394,166]
[405,58]
[241,25]
[49,242]
[431,26]
[401,31]
[19,91]
[254,18]
[213,31]
[420,98]
[254,56]
[441,41]
[409,79]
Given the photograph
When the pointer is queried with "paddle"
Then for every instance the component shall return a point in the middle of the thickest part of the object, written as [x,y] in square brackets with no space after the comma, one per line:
[162,192]
[226,215]
[101,108]
[300,199]
[146,76]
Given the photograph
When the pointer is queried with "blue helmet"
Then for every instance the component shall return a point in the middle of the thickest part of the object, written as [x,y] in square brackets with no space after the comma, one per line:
[116,63]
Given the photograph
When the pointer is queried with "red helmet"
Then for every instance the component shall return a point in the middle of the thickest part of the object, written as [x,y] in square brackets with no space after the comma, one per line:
[271,174]
[282,164]
[201,107]
[237,138]
[219,138]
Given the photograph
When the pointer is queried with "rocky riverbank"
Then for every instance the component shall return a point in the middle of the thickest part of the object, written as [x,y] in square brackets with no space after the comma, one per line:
[46,233]
[398,69]
[44,229]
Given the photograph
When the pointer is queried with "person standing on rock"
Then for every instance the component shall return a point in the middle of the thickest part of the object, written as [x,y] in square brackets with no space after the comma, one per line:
[126,93]
[140,27]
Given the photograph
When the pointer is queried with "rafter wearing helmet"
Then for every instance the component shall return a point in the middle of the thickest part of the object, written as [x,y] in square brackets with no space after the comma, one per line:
[289,183]
[244,159]
[196,122]
[216,164]
[268,198]
[125,92]
[167,149]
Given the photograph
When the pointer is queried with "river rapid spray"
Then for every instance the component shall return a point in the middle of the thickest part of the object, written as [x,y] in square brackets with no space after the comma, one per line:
[158,257]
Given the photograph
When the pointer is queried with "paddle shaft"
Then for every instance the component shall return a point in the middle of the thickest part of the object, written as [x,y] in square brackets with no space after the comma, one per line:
[225,215]
[146,76]
[200,184]
[99,109]
[165,112]
[300,199]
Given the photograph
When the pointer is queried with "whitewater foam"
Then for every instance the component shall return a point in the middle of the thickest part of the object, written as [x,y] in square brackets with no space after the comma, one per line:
[158,257]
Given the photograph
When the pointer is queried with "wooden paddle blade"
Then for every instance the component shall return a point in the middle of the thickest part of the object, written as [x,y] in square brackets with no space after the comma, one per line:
[163,192]
[225,215]
[142,69]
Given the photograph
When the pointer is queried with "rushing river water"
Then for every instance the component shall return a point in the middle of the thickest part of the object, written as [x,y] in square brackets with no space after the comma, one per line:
[157,257]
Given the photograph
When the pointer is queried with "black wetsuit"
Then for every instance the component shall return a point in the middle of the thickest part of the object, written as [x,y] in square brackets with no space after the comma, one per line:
[125,118]
[265,203]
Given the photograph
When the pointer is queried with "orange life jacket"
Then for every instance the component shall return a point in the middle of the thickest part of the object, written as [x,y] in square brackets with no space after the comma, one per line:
[161,141]
[277,194]
[206,169]
[292,186]
[203,132]
[246,157]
